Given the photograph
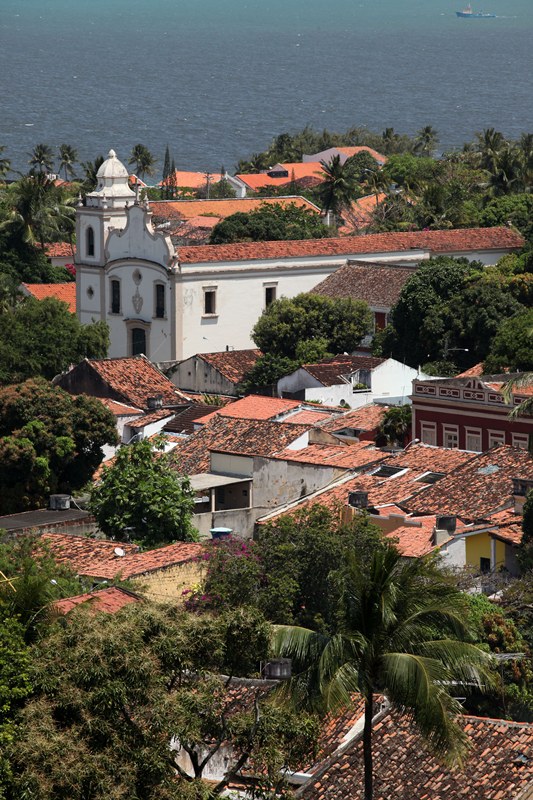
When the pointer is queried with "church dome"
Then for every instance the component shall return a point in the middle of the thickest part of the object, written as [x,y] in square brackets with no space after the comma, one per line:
[112,168]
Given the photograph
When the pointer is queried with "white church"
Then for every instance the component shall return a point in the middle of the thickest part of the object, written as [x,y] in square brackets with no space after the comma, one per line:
[171,304]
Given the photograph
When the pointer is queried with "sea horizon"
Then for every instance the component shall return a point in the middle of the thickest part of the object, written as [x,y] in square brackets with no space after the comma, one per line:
[217,81]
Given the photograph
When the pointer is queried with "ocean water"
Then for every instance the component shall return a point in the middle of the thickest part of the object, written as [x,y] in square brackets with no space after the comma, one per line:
[217,79]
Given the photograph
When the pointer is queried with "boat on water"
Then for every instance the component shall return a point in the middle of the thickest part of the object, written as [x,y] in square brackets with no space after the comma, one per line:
[468,13]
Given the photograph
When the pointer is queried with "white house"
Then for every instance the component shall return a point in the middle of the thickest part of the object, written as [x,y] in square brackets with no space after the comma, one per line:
[171,304]
[352,381]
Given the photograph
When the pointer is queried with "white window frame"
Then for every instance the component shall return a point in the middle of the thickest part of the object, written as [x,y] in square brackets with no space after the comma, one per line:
[431,429]
[214,291]
[496,438]
[450,430]
[474,432]
[266,286]
[520,440]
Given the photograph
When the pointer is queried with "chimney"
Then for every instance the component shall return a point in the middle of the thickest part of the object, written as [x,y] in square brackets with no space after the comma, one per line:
[155,402]
[444,528]
[358,499]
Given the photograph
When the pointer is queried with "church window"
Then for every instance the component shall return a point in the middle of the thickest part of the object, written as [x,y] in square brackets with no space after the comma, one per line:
[160,300]
[90,241]
[115,297]
[138,341]
[270,295]
[210,301]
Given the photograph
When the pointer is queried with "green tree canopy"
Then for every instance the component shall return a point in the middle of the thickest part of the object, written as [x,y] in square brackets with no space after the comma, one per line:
[142,493]
[113,693]
[512,346]
[43,338]
[142,160]
[37,211]
[341,323]
[396,425]
[15,686]
[50,441]
[270,222]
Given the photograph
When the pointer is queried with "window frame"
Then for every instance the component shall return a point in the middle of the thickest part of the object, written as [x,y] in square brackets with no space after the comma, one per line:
[430,427]
[474,432]
[520,440]
[157,286]
[270,287]
[450,430]
[210,291]
[500,438]
[90,243]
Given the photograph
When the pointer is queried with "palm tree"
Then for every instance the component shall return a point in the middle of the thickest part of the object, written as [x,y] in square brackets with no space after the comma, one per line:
[490,143]
[390,140]
[506,174]
[338,189]
[10,292]
[42,158]
[5,163]
[142,160]
[396,424]
[426,140]
[39,210]
[401,633]
[68,156]
[91,169]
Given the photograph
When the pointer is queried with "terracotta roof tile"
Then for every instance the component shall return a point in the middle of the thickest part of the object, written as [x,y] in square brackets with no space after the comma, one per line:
[220,209]
[184,420]
[66,292]
[376,284]
[415,538]
[359,214]
[109,600]
[481,486]
[135,564]
[365,418]
[190,180]
[120,409]
[330,371]
[243,436]
[353,151]
[446,241]
[351,456]
[60,250]
[136,379]
[148,419]
[404,768]
[232,364]
[297,171]
[473,372]
[306,417]
[254,407]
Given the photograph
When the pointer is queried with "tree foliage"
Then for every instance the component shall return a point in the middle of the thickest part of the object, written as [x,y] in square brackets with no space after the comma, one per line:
[43,338]
[512,346]
[15,686]
[396,425]
[269,222]
[341,323]
[37,211]
[49,442]
[110,700]
[142,494]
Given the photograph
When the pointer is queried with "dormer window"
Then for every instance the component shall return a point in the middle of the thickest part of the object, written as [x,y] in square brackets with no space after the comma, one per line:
[89,241]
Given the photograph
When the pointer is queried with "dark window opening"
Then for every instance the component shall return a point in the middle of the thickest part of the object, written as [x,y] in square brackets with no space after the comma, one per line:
[220,494]
[159,300]
[387,472]
[138,341]
[270,295]
[210,302]
[90,241]
[484,564]
[115,297]
[430,477]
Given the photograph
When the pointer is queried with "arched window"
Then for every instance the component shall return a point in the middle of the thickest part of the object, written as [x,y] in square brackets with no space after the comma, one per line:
[90,241]
[138,341]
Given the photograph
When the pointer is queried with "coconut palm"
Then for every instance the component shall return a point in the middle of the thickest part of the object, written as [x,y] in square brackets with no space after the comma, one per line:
[68,156]
[5,163]
[390,140]
[426,140]
[39,210]
[506,174]
[91,169]
[142,161]
[490,143]
[338,189]
[42,158]
[401,633]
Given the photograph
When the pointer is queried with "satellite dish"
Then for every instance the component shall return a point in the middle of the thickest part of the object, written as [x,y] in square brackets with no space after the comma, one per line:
[119,552]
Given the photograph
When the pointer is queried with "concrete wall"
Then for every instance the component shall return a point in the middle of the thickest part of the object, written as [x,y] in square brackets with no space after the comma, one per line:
[195,375]
[240,520]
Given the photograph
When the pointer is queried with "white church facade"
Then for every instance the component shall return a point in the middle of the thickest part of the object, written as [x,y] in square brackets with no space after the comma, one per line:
[171,304]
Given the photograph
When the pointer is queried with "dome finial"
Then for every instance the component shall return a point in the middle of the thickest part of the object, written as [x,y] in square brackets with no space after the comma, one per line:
[111,154]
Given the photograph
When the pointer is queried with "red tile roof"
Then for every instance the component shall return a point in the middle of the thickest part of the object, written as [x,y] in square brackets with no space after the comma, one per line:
[474,372]
[190,180]
[498,765]
[109,600]
[60,250]
[365,418]
[359,213]
[232,364]
[148,419]
[243,436]
[353,151]
[66,292]
[120,409]
[481,486]
[376,284]
[297,171]
[306,417]
[415,538]
[330,371]
[136,379]
[220,209]
[446,241]
[97,557]
[351,456]
[254,407]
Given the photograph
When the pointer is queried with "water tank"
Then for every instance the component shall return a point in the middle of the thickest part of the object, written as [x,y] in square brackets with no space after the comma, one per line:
[358,499]
[220,533]
[59,502]
[278,669]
